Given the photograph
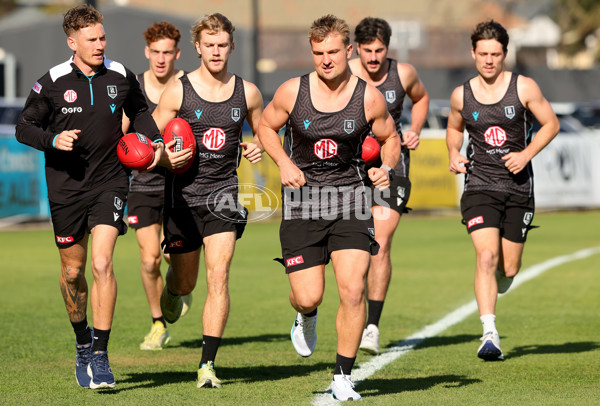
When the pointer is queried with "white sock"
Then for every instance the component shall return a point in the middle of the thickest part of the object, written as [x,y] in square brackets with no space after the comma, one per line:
[489,323]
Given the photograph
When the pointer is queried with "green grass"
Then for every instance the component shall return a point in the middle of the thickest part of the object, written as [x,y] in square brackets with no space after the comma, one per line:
[549,327]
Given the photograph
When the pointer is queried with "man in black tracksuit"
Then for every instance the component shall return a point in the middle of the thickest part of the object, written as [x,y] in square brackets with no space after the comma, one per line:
[74,114]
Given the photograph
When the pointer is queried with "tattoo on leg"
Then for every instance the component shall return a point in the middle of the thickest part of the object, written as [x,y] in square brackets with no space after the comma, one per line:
[74,291]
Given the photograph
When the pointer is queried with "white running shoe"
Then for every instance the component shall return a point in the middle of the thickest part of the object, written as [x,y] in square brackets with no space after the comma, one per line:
[342,388]
[503,281]
[370,340]
[489,349]
[304,334]
[187,304]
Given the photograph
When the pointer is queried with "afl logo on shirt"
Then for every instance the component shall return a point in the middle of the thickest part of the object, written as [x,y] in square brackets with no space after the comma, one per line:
[70,96]
[326,148]
[214,139]
[495,136]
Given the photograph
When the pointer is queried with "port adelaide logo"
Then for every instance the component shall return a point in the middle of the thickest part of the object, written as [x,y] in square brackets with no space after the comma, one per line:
[112,91]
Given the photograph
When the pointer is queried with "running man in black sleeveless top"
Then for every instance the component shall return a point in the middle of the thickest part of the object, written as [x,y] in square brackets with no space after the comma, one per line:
[497,205]
[327,114]
[146,189]
[215,103]
[395,81]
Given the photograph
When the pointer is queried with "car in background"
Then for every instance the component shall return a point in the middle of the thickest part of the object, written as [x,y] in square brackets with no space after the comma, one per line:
[588,114]
[10,110]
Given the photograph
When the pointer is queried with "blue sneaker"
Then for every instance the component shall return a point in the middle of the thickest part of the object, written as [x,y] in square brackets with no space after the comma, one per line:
[99,371]
[82,360]
[490,347]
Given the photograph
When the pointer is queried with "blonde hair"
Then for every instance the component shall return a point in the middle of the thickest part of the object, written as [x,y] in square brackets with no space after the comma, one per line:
[212,23]
[326,25]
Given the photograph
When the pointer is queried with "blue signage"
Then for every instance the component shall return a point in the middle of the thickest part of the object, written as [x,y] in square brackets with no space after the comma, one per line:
[22,178]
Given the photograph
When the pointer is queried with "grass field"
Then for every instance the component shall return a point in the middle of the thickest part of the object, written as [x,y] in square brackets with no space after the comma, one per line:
[549,327]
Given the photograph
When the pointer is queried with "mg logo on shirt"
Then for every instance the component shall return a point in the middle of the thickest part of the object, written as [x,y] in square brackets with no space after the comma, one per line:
[326,148]
[495,136]
[70,96]
[214,139]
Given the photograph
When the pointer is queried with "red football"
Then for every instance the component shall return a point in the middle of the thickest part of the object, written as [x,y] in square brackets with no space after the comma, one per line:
[135,151]
[370,150]
[179,130]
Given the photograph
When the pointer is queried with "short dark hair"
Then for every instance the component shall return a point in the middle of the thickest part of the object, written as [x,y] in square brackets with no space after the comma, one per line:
[370,29]
[490,30]
[162,30]
[80,17]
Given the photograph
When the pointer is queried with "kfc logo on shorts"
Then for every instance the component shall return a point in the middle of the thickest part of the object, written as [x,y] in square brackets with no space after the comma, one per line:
[326,148]
[294,261]
[214,139]
[70,96]
[176,244]
[133,219]
[64,240]
[475,221]
[495,136]
[37,88]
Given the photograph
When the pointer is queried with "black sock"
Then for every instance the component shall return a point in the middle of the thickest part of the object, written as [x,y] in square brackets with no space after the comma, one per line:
[311,314]
[161,319]
[210,345]
[343,365]
[375,308]
[100,340]
[82,332]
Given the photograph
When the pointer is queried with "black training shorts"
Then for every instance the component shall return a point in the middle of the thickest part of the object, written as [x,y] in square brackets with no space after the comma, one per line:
[308,243]
[72,221]
[509,212]
[145,209]
[185,228]
[396,197]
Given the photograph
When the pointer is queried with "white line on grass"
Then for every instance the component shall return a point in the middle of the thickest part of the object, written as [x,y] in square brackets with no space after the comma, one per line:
[365,370]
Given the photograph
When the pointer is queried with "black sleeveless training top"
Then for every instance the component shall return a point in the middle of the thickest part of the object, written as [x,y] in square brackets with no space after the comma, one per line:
[494,131]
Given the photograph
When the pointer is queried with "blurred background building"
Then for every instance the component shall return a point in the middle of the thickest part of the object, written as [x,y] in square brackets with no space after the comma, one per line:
[549,38]
[556,42]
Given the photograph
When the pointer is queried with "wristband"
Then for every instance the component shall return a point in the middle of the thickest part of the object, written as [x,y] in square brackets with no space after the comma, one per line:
[53,140]
[389,170]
